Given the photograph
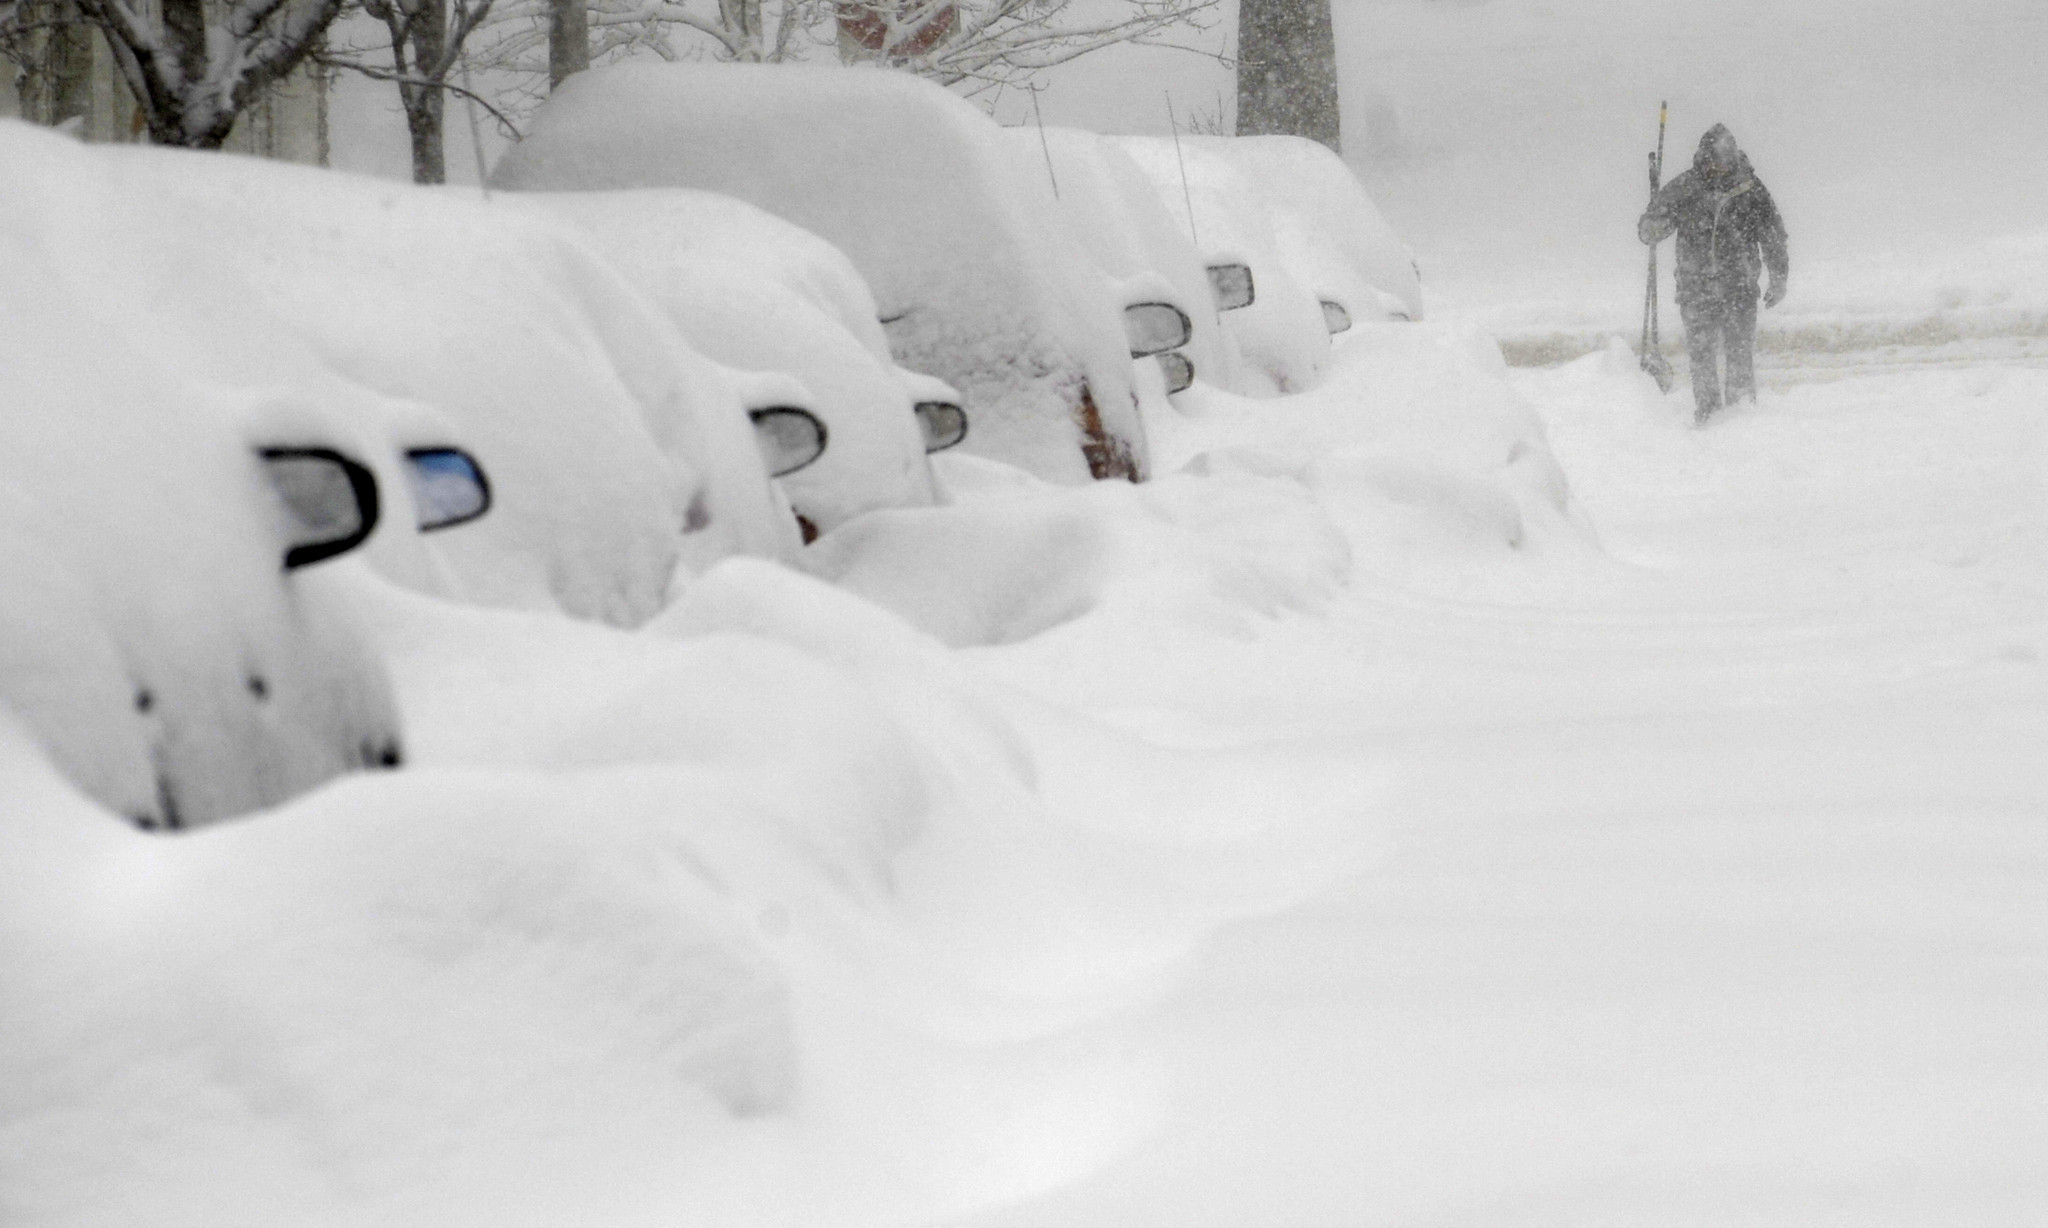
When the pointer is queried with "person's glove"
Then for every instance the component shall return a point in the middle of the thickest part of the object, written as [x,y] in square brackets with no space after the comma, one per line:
[1776,294]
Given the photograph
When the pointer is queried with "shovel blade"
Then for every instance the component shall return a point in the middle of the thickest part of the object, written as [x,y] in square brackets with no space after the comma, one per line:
[1660,370]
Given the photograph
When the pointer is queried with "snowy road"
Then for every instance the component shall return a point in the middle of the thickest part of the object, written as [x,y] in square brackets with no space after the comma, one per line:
[1716,891]
[1779,371]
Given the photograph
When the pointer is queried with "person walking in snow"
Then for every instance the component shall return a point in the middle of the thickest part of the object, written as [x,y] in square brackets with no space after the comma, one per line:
[1728,232]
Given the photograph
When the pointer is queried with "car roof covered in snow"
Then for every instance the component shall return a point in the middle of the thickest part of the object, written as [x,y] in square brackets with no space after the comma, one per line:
[915,185]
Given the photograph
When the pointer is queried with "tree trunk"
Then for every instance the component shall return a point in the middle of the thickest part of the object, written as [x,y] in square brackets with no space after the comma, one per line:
[1286,69]
[426,104]
[743,18]
[568,39]
[177,119]
[55,77]
[423,124]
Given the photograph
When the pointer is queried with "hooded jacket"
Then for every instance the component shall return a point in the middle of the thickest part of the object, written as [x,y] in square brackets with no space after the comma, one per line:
[1727,225]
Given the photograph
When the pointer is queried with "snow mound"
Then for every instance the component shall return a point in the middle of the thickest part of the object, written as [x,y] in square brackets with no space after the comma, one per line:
[1418,446]
[406,999]
[1166,551]
[773,911]
[1413,460]
[920,190]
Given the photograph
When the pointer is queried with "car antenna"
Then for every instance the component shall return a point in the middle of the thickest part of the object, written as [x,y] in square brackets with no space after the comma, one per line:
[1047,149]
[476,140]
[1171,122]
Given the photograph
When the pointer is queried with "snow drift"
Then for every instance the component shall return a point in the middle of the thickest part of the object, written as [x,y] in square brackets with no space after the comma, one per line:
[770,912]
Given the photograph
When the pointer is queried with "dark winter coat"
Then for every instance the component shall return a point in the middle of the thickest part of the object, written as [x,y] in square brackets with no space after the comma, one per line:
[1727,225]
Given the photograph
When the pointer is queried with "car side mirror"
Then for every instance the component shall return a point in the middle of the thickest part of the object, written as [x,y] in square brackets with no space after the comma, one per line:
[1335,318]
[1179,370]
[1154,328]
[331,501]
[789,438]
[1232,286]
[448,487]
[944,424]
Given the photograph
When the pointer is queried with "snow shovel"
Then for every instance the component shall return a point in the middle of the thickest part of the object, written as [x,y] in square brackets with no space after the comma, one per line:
[1652,353]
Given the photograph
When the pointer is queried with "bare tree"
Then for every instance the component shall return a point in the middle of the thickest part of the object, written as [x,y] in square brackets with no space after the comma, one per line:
[1287,69]
[427,38]
[975,44]
[568,39]
[993,43]
[197,66]
[49,43]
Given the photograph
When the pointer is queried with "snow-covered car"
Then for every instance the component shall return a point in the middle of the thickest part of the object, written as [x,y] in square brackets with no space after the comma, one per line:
[1329,233]
[759,294]
[161,632]
[974,281]
[1114,215]
[1274,320]
[617,454]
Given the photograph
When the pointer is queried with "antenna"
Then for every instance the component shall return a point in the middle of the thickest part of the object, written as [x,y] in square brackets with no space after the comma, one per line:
[476,140]
[1185,196]
[1047,149]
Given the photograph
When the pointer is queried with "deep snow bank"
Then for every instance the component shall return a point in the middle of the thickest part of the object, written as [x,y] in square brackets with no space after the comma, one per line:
[1413,458]
[770,913]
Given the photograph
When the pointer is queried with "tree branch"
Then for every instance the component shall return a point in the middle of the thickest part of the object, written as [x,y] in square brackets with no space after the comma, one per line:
[384,74]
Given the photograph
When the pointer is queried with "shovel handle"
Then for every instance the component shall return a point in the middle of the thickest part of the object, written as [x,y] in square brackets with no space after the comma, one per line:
[1657,159]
